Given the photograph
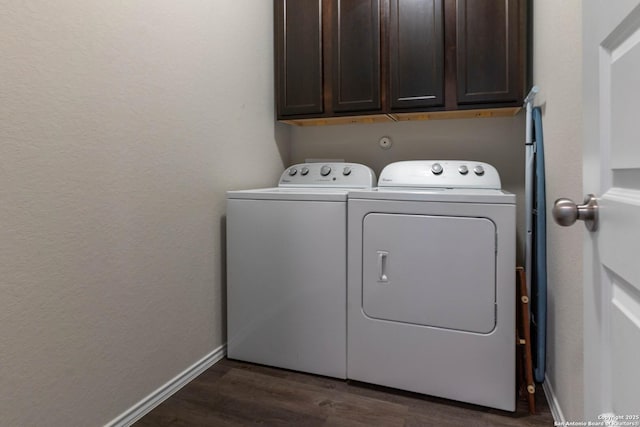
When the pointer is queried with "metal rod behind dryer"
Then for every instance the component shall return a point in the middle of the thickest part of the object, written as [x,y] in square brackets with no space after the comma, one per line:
[528,105]
[528,186]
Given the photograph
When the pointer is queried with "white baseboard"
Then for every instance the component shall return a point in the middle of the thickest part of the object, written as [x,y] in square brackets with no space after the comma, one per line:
[554,405]
[144,406]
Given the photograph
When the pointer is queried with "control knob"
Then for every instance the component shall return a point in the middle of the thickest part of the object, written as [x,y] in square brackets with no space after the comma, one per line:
[304,171]
[478,170]
[293,171]
[325,170]
[463,170]
[346,171]
[436,169]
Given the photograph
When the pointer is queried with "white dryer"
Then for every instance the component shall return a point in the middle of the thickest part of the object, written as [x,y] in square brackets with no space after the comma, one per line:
[431,292]
[286,269]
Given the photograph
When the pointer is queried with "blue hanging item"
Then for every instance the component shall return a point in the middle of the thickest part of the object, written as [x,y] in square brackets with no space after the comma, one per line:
[539,253]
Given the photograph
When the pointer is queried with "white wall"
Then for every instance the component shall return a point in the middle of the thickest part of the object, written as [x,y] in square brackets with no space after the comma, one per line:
[121,126]
[498,141]
[557,70]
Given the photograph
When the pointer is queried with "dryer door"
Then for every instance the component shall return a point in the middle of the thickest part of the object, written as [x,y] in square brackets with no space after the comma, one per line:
[437,271]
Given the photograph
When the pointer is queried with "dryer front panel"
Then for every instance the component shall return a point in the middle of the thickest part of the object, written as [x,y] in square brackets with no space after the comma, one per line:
[437,271]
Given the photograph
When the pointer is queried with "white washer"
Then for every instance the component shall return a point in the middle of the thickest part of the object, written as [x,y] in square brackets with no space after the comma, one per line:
[286,269]
[431,292]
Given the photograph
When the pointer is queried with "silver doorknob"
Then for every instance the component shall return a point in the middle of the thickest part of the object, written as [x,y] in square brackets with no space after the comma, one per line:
[566,213]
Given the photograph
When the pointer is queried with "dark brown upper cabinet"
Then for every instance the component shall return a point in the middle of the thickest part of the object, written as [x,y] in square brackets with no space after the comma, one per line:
[299,65]
[383,58]
[356,55]
[488,46]
[416,54]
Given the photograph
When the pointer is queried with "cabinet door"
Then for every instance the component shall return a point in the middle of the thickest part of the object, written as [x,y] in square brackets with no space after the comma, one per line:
[488,44]
[299,57]
[356,55]
[416,40]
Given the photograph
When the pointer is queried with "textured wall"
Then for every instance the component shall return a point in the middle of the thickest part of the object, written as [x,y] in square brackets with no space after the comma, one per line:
[557,70]
[121,126]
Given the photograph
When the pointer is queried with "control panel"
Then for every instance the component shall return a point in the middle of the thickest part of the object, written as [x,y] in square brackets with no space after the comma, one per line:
[345,175]
[440,174]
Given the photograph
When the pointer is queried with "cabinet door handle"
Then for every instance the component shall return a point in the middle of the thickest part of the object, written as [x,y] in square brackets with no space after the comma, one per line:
[383,257]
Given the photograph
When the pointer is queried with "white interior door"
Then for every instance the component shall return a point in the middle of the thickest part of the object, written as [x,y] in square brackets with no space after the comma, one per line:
[612,172]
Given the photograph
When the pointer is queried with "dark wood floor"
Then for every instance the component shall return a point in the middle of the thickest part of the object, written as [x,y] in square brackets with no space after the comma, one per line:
[238,394]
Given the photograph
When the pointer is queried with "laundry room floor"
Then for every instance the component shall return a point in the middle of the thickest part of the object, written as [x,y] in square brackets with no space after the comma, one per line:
[232,393]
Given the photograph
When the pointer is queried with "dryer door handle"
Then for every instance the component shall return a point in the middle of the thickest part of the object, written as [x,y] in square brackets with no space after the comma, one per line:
[383,257]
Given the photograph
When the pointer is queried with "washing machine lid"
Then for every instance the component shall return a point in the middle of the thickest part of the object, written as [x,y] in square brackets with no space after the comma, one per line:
[296,194]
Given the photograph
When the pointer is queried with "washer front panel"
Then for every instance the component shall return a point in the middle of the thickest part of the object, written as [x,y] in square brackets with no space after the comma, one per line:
[286,269]
[430,270]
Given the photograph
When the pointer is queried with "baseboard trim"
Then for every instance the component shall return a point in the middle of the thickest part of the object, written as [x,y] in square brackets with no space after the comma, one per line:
[144,406]
[554,405]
